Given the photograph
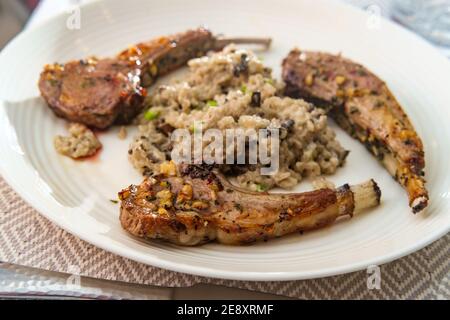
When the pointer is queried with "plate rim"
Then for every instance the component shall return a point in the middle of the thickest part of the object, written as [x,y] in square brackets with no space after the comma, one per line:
[207,271]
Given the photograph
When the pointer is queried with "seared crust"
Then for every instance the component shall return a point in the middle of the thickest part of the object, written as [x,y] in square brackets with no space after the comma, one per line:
[214,210]
[362,104]
[101,92]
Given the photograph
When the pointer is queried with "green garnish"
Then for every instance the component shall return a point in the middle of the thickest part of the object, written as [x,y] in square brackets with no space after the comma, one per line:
[196,128]
[151,115]
[114,201]
[165,184]
[244,88]
[260,187]
[212,103]
[269,81]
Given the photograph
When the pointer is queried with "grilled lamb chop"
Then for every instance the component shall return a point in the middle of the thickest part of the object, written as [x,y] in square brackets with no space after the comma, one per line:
[101,92]
[94,92]
[192,205]
[361,104]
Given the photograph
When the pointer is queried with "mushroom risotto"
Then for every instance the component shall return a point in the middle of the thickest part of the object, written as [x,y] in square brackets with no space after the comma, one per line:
[232,89]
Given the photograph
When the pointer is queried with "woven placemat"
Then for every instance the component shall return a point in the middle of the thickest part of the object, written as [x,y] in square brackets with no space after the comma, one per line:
[29,239]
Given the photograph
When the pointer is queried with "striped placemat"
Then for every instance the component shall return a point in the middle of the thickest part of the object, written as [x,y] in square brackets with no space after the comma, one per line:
[29,239]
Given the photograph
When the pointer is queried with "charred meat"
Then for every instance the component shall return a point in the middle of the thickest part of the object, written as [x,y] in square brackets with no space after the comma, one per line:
[361,104]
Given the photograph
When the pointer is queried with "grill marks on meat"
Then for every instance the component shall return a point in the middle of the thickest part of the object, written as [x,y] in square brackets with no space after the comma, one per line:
[101,92]
[362,104]
[198,206]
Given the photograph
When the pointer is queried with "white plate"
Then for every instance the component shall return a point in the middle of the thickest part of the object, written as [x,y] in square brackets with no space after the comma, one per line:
[75,195]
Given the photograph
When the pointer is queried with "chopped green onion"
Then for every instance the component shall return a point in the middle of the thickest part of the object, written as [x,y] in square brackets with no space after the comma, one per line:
[260,187]
[212,103]
[244,88]
[114,201]
[53,82]
[165,184]
[193,128]
[151,115]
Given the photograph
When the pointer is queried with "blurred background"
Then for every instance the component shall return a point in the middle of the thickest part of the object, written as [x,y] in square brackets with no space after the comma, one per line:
[13,16]
[428,18]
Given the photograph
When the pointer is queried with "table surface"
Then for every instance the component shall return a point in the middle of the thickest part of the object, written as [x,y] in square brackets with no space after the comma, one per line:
[24,282]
